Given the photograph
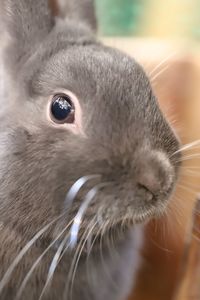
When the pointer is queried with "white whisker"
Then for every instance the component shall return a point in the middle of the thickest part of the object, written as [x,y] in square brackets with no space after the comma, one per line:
[192,145]
[26,279]
[91,227]
[159,74]
[191,168]
[187,172]
[186,189]
[26,248]
[104,265]
[192,185]
[79,216]
[113,251]
[75,257]
[68,201]
[76,188]
[189,157]
[90,278]
[55,261]
[166,59]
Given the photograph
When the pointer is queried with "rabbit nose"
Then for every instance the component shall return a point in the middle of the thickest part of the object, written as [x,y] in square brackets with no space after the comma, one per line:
[155,174]
[150,184]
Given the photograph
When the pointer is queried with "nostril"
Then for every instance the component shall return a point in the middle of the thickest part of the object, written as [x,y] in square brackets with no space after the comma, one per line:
[150,183]
[149,196]
[155,176]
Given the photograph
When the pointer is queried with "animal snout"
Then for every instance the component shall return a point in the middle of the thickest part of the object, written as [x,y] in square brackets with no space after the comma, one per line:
[155,174]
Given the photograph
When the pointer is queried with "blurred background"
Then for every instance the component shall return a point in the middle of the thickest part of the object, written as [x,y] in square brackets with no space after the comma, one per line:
[164,36]
[172,18]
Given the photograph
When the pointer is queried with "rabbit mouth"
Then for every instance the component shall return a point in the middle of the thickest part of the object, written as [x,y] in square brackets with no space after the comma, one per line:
[97,233]
[99,212]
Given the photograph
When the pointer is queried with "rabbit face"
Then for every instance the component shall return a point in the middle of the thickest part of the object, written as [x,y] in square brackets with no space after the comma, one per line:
[82,142]
[86,110]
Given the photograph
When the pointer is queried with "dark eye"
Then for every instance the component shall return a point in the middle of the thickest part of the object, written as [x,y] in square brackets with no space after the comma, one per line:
[62,109]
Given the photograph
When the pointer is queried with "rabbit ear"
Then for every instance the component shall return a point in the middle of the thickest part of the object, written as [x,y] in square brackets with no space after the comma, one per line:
[82,11]
[27,23]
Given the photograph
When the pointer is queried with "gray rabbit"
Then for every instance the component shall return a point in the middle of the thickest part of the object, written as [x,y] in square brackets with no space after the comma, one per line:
[75,116]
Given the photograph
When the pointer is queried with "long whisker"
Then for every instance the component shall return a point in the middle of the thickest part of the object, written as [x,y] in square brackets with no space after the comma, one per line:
[192,155]
[104,265]
[79,216]
[89,251]
[112,248]
[68,202]
[56,259]
[159,73]
[22,253]
[191,167]
[189,157]
[34,266]
[91,227]
[101,224]
[74,259]
[192,145]
[186,189]
[190,185]
[76,188]
[69,199]
[77,222]
[161,63]
[190,173]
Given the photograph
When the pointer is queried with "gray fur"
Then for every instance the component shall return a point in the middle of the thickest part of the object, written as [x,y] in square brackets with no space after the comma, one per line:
[79,11]
[128,142]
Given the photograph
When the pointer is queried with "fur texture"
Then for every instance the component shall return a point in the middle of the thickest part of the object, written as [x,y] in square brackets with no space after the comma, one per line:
[126,140]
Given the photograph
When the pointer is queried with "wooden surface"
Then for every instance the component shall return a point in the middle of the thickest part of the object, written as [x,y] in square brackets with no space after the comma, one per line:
[189,286]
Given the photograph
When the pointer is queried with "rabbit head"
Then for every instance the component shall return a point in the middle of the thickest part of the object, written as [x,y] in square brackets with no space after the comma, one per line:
[73,107]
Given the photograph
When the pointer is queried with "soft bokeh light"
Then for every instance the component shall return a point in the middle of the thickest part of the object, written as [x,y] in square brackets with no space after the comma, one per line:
[172,18]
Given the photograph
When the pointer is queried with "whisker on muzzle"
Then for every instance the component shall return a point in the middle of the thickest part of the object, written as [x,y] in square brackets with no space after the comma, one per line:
[23,252]
[55,261]
[81,212]
[36,263]
[65,244]
[71,195]
[76,257]
[68,201]
[193,145]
